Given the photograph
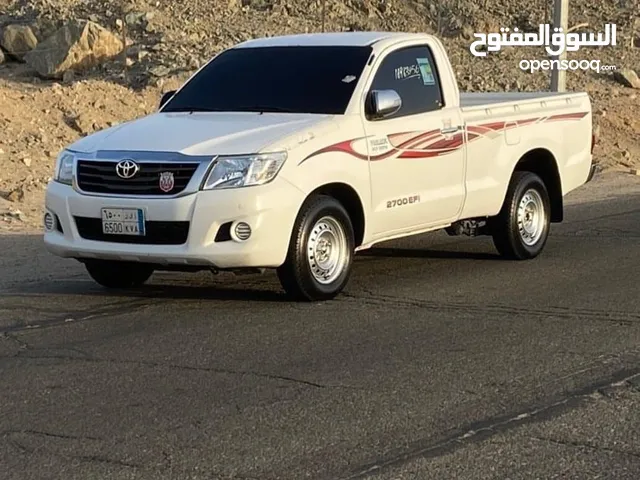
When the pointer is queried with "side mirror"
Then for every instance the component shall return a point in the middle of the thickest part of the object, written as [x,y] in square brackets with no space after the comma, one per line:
[383,103]
[166,96]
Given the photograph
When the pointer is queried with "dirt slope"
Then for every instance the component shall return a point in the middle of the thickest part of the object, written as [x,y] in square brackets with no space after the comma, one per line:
[168,40]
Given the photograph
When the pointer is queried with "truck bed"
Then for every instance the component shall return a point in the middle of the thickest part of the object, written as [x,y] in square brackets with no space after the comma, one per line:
[474,101]
[481,107]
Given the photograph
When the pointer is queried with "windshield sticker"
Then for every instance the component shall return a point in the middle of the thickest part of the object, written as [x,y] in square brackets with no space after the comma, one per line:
[426,71]
[348,79]
[406,72]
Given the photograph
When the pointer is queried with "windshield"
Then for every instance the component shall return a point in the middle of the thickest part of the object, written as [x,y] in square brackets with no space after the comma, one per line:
[275,79]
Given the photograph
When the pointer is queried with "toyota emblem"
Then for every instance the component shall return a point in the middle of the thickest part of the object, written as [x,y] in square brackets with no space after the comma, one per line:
[127,168]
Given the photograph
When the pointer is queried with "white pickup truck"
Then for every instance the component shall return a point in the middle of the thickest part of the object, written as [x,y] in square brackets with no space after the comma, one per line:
[294,152]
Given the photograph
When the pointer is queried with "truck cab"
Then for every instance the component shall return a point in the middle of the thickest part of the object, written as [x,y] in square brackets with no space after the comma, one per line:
[295,152]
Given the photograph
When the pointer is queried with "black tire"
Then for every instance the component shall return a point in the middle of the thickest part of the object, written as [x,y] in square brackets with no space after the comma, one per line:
[120,275]
[296,275]
[512,241]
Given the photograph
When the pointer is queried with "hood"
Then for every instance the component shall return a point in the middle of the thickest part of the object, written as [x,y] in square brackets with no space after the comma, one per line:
[200,133]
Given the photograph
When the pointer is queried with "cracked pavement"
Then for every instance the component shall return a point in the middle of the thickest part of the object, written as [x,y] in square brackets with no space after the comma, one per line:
[440,361]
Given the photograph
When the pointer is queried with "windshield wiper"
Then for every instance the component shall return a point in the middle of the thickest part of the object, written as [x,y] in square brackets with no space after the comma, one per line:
[192,109]
[264,108]
[255,108]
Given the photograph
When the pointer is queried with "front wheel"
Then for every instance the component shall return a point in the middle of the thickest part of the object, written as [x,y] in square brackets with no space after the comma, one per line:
[121,275]
[521,229]
[320,253]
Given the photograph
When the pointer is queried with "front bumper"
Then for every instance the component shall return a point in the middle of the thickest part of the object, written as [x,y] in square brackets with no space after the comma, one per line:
[269,209]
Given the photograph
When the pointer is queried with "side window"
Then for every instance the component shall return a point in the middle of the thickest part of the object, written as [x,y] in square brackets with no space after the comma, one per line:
[412,73]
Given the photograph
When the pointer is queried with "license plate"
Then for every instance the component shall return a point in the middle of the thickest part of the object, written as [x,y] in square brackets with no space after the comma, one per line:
[123,221]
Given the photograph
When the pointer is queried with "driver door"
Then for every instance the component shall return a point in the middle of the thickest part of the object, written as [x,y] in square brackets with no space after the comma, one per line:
[416,154]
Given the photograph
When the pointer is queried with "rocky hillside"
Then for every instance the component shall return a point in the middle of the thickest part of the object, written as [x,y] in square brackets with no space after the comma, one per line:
[70,67]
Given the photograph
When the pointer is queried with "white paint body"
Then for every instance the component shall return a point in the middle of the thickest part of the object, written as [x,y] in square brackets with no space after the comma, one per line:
[470,181]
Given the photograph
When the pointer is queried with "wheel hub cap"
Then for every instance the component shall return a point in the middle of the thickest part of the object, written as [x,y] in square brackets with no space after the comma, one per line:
[531,217]
[327,250]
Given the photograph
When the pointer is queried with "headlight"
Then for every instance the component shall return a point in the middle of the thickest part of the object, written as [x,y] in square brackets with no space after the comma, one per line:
[63,172]
[245,170]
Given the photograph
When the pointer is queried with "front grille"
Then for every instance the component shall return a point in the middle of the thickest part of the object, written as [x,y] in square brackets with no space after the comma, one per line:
[101,177]
[157,233]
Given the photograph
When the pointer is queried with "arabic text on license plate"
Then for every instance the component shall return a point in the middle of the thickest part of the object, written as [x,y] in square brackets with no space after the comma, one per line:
[123,221]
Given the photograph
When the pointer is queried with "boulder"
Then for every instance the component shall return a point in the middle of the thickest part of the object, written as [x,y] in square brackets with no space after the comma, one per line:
[18,40]
[252,4]
[1,57]
[627,77]
[76,46]
[15,195]
[467,32]
[160,71]
[83,124]
[138,18]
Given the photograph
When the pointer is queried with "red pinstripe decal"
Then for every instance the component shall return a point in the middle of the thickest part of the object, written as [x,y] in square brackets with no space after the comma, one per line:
[406,136]
[568,116]
[472,135]
[494,126]
[425,153]
[453,142]
[422,136]
[425,141]
[432,143]
[528,121]
[344,146]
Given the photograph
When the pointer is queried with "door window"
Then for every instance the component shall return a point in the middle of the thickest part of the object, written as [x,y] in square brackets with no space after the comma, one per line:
[412,73]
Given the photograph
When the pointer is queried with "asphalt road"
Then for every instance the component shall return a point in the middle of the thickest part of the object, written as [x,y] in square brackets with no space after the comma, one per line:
[440,361]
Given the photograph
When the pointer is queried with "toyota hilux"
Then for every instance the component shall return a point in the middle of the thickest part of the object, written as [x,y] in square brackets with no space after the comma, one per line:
[295,152]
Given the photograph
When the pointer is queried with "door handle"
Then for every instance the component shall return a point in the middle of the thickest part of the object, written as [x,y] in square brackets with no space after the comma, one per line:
[446,131]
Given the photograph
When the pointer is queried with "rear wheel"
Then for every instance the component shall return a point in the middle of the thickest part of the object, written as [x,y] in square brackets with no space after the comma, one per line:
[521,229]
[320,253]
[114,274]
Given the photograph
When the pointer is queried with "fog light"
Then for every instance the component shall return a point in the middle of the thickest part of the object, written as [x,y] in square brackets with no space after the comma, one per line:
[241,231]
[49,222]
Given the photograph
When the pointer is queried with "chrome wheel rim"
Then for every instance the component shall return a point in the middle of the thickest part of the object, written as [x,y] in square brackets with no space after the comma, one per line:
[327,250]
[532,217]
